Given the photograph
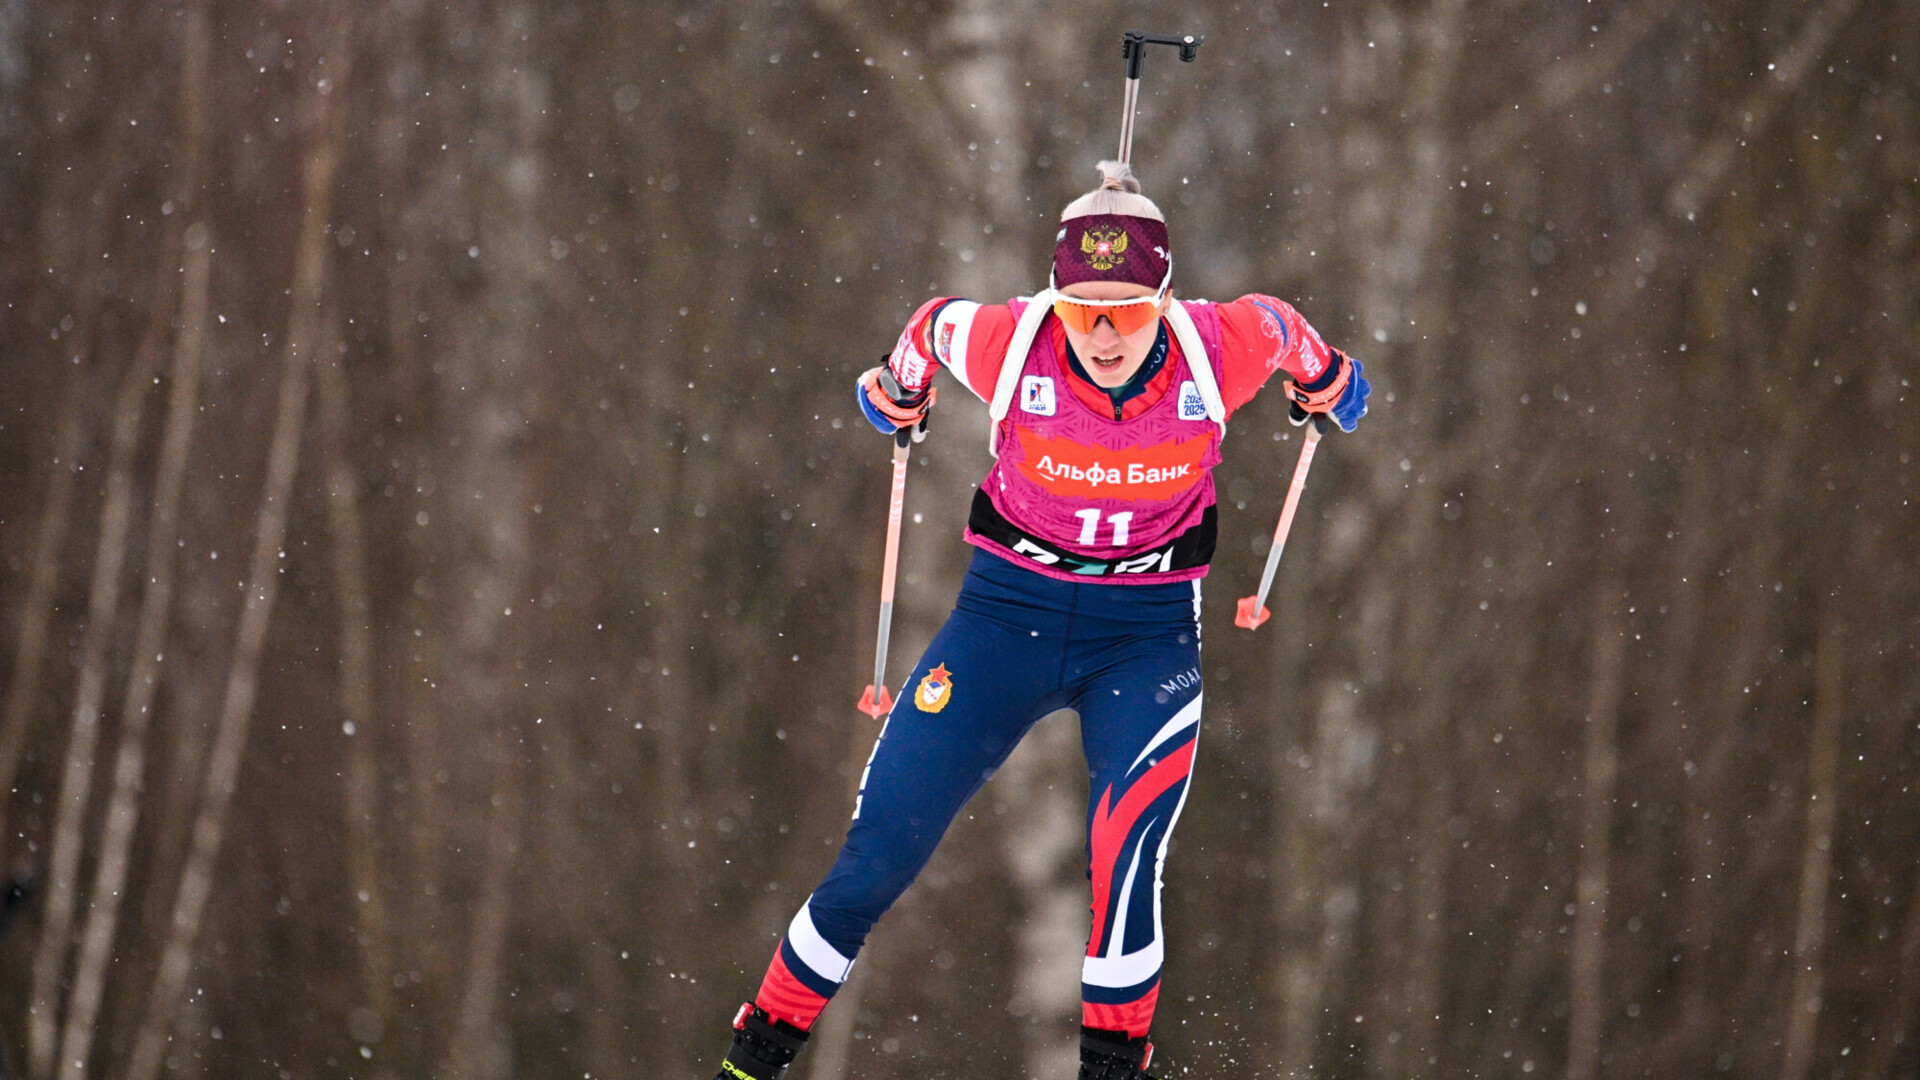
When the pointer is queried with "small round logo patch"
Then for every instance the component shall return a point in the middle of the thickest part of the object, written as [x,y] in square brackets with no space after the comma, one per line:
[934,691]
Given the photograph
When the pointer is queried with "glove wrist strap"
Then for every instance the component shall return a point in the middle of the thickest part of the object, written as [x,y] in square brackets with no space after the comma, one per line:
[898,394]
[1323,397]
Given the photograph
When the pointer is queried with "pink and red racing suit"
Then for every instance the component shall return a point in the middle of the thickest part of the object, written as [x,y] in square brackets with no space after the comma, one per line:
[1077,491]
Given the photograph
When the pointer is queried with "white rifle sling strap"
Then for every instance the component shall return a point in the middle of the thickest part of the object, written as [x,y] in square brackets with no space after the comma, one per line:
[1198,362]
[1015,362]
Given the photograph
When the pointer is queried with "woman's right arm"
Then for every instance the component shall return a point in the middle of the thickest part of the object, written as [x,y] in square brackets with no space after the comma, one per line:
[968,339]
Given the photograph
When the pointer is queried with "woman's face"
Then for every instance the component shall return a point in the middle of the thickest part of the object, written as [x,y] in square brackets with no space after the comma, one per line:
[1109,356]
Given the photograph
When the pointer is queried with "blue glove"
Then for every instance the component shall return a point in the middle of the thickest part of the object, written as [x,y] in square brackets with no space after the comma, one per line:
[872,412]
[1341,394]
[886,406]
[1352,404]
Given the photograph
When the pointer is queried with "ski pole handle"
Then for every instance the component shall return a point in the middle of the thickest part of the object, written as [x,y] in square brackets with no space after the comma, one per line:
[916,433]
[1252,610]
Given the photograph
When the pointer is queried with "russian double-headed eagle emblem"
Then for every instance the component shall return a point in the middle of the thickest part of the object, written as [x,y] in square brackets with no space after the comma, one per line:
[1104,248]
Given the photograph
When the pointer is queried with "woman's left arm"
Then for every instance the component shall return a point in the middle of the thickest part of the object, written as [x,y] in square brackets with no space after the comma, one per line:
[1263,335]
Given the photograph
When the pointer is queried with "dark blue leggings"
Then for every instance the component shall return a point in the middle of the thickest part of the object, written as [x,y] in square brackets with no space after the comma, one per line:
[1017,647]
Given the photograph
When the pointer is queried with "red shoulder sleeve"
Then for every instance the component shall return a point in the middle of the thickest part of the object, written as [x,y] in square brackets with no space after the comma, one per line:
[1263,335]
[971,340]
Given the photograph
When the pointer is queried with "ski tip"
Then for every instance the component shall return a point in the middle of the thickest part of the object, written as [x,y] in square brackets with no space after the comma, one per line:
[876,708]
[1251,613]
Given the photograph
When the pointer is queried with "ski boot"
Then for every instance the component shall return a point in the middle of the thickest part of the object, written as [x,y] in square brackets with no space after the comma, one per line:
[762,1046]
[1110,1055]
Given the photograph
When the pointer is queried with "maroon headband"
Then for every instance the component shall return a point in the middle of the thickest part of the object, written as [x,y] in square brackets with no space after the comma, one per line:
[1111,247]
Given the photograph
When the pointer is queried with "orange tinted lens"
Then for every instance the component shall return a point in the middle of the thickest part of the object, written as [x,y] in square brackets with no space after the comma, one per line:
[1132,317]
[1126,318]
[1078,317]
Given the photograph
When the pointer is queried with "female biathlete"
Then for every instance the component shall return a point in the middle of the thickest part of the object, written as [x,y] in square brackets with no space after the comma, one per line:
[1094,527]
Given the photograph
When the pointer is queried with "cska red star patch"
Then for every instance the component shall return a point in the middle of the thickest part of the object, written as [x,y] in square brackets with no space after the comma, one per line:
[934,691]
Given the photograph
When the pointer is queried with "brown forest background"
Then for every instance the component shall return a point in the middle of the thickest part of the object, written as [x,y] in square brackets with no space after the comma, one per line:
[439,550]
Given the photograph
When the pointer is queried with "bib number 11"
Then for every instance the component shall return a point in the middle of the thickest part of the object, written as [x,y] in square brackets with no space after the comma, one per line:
[1090,527]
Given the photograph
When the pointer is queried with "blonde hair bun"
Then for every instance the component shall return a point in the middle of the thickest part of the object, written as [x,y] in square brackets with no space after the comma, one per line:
[1118,176]
[1118,193]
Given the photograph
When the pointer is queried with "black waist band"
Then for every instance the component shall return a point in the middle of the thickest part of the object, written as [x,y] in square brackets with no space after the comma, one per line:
[1192,548]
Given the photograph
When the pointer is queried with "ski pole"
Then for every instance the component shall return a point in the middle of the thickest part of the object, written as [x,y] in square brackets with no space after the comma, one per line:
[1133,47]
[876,702]
[1252,610]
